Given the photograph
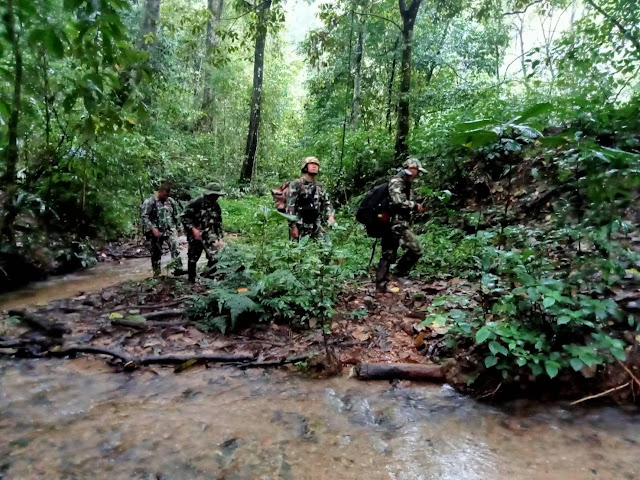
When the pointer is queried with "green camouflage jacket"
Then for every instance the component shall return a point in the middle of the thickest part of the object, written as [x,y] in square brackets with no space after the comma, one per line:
[400,197]
[160,215]
[301,187]
[205,215]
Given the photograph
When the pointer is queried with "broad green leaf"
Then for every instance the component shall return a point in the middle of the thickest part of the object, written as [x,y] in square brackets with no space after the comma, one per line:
[113,315]
[548,301]
[482,334]
[490,361]
[535,110]
[551,368]
[563,320]
[576,364]
[496,348]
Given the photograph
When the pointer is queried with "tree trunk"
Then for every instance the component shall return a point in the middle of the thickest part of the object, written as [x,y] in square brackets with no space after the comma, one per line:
[391,79]
[408,21]
[357,77]
[13,152]
[215,13]
[149,25]
[523,62]
[249,163]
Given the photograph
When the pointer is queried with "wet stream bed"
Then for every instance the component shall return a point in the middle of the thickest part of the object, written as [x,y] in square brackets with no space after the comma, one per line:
[78,420]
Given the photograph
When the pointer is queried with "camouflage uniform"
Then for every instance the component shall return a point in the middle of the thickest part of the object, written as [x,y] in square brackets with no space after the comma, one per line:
[205,214]
[309,224]
[163,216]
[399,233]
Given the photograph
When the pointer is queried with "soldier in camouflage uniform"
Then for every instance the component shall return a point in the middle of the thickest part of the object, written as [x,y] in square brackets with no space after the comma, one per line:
[202,220]
[399,232]
[160,223]
[308,200]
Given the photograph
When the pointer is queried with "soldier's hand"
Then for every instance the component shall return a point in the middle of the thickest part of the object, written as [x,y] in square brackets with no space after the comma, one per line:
[420,208]
[294,232]
[332,221]
[220,244]
[155,231]
[196,233]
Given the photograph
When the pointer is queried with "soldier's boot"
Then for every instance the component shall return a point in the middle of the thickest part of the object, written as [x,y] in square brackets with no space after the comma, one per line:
[191,269]
[211,269]
[157,271]
[404,266]
[382,275]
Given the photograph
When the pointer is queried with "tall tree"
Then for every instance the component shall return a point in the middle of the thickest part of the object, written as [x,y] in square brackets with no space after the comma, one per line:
[214,8]
[149,26]
[12,152]
[357,75]
[251,149]
[408,14]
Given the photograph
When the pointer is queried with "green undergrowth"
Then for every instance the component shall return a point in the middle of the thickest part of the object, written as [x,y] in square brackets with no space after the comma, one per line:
[266,277]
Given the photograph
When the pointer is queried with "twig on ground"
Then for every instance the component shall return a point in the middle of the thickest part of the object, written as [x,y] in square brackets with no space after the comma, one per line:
[165,313]
[628,370]
[177,301]
[492,393]
[601,394]
[123,322]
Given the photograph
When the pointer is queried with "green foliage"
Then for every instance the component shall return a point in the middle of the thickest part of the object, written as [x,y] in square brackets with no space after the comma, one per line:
[270,278]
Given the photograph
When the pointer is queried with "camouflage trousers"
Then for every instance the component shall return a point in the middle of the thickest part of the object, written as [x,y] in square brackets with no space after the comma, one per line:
[398,235]
[155,245]
[206,245]
[312,230]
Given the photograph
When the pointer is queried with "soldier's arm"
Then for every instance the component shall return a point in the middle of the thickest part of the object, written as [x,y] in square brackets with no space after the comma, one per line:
[328,209]
[292,197]
[398,198]
[189,216]
[145,215]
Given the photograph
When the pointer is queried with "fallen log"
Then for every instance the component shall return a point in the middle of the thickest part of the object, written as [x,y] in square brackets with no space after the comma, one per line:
[402,371]
[150,306]
[280,362]
[123,322]
[205,357]
[50,329]
[164,313]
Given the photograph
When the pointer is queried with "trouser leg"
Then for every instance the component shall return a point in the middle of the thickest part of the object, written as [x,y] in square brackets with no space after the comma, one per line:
[193,254]
[172,241]
[155,245]
[389,246]
[410,242]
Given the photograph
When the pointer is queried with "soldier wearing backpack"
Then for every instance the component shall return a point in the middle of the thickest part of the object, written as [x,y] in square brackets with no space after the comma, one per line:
[308,200]
[398,232]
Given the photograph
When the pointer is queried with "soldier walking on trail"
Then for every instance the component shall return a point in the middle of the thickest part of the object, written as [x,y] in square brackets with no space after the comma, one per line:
[399,233]
[160,223]
[308,200]
[202,220]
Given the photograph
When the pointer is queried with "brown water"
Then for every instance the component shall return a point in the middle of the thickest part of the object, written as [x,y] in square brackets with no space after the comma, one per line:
[91,280]
[78,420]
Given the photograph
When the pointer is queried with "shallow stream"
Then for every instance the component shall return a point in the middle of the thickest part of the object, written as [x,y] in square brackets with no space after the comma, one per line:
[79,420]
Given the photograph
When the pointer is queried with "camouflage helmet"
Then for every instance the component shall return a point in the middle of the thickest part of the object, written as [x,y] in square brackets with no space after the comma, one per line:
[214,188]
[413,162]
[306,161]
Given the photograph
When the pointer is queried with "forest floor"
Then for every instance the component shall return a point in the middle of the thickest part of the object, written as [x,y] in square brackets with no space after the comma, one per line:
[148,318]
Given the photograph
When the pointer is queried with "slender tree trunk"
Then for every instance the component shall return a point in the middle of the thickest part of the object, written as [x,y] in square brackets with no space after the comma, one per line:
[9,178]
[357,77]
[523,63]
[390,85]
[149,25]
[408,21]
[249,163]
[215,13]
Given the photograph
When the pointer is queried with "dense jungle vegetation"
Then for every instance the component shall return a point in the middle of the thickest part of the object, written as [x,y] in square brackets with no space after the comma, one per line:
[525,114]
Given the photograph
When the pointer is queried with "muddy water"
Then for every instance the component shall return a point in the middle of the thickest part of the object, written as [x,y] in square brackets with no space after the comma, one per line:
[78,420]
[91,280]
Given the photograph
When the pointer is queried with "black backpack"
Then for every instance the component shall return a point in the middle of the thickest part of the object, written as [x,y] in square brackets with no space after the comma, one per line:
[374,212]
[306,207]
